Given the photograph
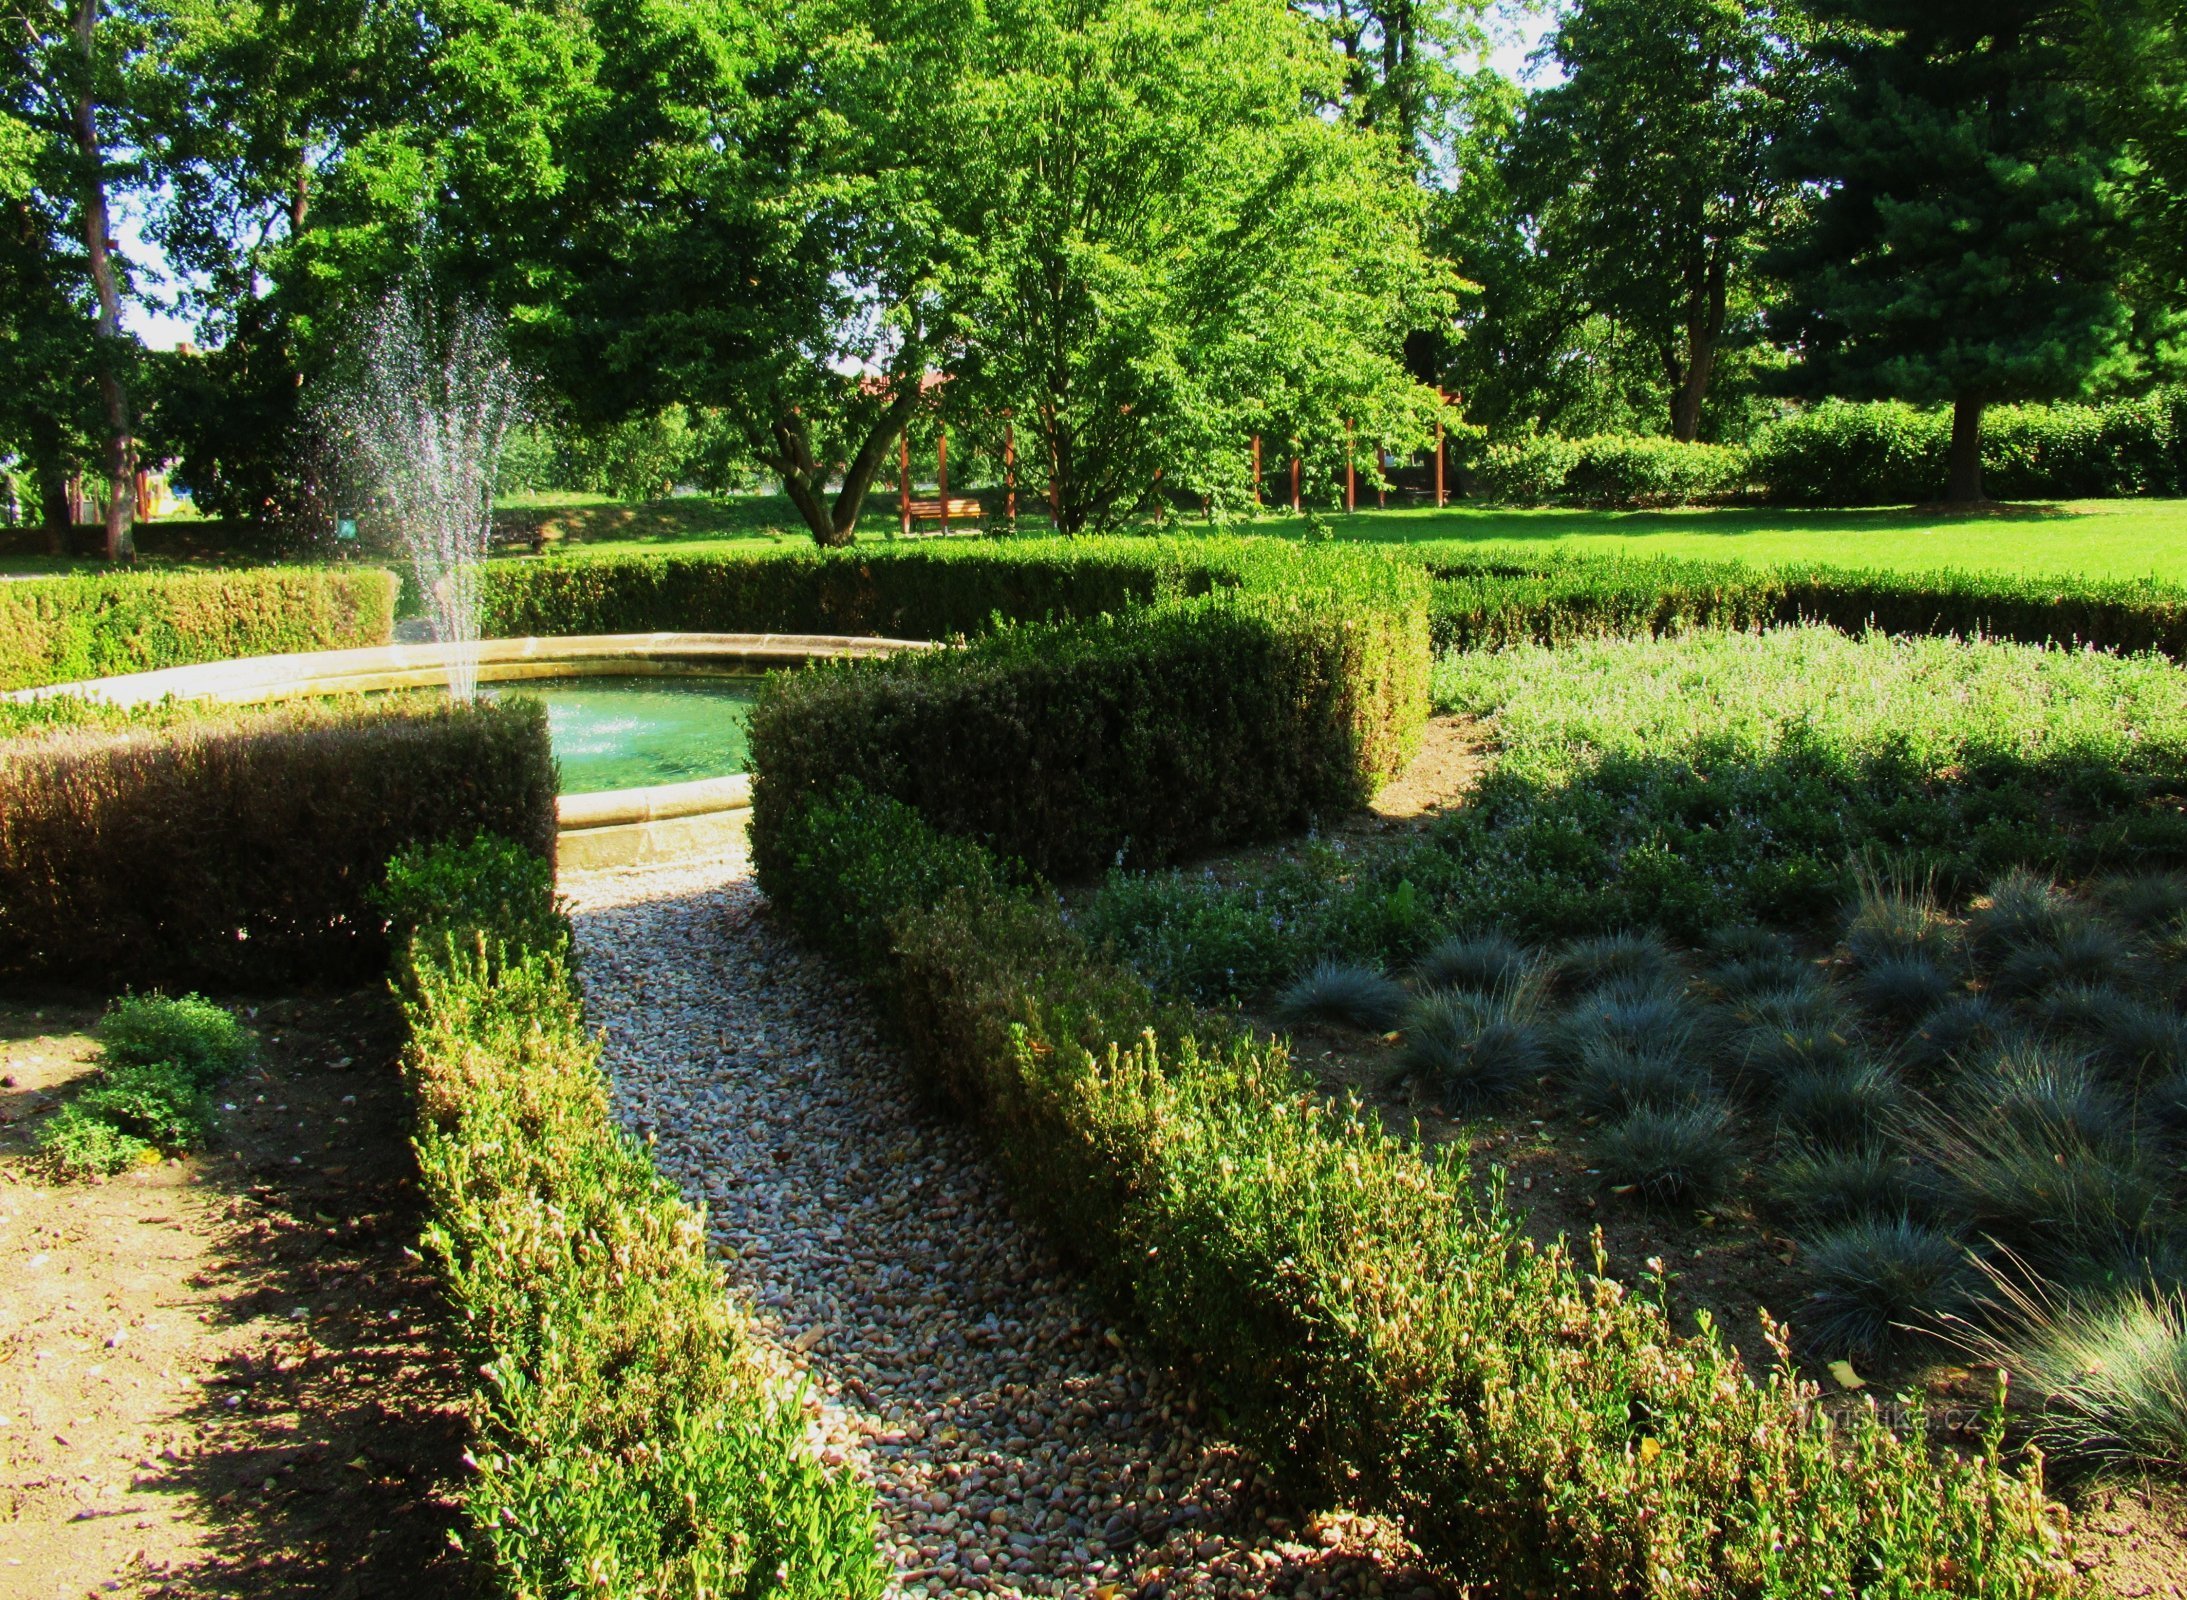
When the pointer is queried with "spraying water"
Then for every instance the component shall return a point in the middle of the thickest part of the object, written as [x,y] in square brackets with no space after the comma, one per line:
[427,419]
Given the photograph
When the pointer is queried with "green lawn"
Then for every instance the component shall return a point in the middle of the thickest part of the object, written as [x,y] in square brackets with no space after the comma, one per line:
[2092,538]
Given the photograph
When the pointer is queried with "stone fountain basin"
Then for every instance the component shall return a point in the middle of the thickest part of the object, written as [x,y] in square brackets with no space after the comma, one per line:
[617,827]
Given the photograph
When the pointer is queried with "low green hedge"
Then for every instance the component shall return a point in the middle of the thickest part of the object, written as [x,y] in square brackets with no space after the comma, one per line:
[1845,454]
[628,1442]
[1375,1331]
[59,630]
[1490,602]
[242,848]
[1141,737]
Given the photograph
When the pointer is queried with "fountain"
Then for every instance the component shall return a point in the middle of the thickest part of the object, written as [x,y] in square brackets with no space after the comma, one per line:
[427,420]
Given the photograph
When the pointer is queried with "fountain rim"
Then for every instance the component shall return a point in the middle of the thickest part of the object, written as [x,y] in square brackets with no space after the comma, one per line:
[606,828]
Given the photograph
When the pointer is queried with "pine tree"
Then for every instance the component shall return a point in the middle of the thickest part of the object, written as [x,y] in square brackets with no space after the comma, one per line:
[1966,242]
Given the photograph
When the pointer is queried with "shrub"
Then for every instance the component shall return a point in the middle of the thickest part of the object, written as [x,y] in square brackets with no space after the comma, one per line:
[1527,471]
[491,882]
[79,1144]
[242,849]
[1146,736]
[2108,1376]
[629,1441]
[1844,454]
[1876,1280]
[1474,1048]
[1628,470]
[1381,1335]
[58,630]
[1357,997]
[1680,1155]
[160,1103]
[206,1041]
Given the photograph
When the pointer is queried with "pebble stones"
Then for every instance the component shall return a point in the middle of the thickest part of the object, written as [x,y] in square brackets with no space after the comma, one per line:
[1015,1446]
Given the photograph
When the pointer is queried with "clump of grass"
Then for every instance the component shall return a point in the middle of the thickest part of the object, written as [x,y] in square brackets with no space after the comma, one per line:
[2146,902]
[1680,1155]
[1842,1105]
[2108,1374]
[79,1145]
[2090,955]
[1789,1033]
[1480,962]
[1747,961]
[190,1032]
[2019,911]
[1903,988]
[1475,1048]
[1350,995]
[1894,918]
[1633,1022]
[1610,1078]
[1823,1186]
[2140,1041]
[2037,1086]
[2034,1179]
[1795,1008]
[1958,1029]
[1878,1279]
[2165,1102]
[1589,964]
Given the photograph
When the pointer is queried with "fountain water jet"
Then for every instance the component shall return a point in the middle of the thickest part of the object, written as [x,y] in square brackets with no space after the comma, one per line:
[427,419]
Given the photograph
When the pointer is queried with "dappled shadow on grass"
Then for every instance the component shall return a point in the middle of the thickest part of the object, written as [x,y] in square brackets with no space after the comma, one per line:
[325,1452]
[1475,522]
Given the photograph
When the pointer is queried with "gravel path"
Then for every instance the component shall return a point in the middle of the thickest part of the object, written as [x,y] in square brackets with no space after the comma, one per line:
[1017,1446]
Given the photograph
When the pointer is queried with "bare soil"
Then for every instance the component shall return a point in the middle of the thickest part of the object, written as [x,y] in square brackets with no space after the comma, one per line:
[226,1374]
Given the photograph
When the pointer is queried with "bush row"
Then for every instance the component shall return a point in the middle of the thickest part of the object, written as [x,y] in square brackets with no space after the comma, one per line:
[628,1443]
[240,849]
[1140,737]
[1381,1335]
[58,630]
[1845,454]
[1552,600]
[923,591]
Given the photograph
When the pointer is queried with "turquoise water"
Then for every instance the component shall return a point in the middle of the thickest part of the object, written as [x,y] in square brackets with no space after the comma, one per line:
[630,732]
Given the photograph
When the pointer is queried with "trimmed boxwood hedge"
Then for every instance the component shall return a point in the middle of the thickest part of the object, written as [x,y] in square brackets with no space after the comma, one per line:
[628,1442]
[240,849]
[1488,602]
[59,630]
[1381,1335]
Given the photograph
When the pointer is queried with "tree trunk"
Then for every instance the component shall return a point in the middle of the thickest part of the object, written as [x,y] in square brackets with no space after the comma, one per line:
[1966,478]
[121,447]
[804,479]
[1705,312]
[865,466]
[53,506]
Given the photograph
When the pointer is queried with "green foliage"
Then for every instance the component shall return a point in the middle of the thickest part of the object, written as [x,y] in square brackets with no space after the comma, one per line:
[1381,1334]
[80,1145]
[58,630]
[1165,729]
[242,847]
[491,882]
[629,1441]
[158,1103]
[1965,242]
[206,1041]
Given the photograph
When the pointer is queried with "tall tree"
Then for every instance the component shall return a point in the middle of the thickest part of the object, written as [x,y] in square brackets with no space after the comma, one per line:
[1176,252]
[64,70]
[1648,171]
[1405,63]
[1966,244]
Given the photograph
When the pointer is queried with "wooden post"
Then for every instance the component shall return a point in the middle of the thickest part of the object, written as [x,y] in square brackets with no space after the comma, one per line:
[143,492]
[903,482]
[1294,483]
[1351,477]
[1010,471]
[1439,450]
[941,470]
[1256,469]
[1382,471]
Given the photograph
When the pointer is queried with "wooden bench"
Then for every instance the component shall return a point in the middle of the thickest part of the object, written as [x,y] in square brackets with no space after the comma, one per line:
[943,511]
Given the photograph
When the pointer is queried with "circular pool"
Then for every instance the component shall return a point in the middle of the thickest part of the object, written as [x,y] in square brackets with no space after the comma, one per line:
[648,729]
